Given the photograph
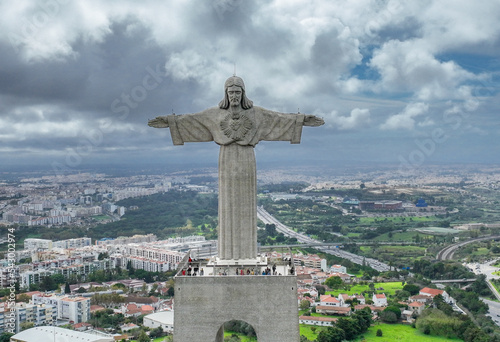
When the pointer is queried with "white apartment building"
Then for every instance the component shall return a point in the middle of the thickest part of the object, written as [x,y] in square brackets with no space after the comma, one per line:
[150,265]
[27,278]
[156,254]
[38,244]
[310,260]
[42,314]
[73,308]
[73,243]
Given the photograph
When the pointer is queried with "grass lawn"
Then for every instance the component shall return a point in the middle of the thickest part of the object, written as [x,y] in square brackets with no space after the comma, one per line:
[370,220]
[397,236]
[101,217]
[306,331]
[243,338]
[399,332]
[389,289]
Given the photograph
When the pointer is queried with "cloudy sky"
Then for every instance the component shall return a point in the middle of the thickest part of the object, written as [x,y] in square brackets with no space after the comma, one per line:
[397,82]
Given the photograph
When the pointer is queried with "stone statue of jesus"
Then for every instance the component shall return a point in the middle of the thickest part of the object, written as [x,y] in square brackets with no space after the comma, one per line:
[237,126]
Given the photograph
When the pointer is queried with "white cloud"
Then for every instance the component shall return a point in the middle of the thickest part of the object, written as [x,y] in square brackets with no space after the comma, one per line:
[405,119]
[357,119]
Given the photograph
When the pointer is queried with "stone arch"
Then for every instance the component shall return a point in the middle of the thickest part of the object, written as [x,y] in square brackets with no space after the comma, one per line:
[220,332]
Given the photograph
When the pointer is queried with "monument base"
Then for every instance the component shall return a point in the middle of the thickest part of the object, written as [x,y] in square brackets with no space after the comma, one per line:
[267,303]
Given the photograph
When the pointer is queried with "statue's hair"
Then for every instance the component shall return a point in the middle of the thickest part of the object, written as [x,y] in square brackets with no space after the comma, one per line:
[235,81]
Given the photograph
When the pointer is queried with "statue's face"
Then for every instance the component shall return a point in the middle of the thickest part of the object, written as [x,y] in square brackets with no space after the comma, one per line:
[234,93]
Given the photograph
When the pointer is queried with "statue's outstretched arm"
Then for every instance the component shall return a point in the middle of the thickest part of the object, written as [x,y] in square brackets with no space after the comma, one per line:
[313,120]
[159,122]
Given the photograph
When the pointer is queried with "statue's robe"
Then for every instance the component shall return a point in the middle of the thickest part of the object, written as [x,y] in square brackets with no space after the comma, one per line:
[237,168]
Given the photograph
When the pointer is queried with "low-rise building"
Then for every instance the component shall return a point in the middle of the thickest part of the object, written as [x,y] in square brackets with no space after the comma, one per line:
[59,334]
[379,299]
[163,319]
[321,321]
[427,291]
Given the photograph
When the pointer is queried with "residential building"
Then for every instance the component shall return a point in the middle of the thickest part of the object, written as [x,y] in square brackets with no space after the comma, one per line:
[321,321]
[73,308]
[379,299]
[38,244]
[328,300]
[11,317]
[426,291]
[163,319]
[338,269]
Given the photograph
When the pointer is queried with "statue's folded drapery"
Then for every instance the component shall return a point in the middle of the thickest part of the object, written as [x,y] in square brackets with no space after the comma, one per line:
[237,136]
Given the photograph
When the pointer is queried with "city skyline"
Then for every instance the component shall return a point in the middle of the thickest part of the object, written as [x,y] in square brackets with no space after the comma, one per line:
[404,84]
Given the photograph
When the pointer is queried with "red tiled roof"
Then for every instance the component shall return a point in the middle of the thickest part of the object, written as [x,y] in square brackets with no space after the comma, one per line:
[417,304]
[380,295]
[319,319]
[333,308]
[431,292]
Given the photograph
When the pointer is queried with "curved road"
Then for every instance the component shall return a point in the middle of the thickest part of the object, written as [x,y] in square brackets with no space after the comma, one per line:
[267,218]
[447,252]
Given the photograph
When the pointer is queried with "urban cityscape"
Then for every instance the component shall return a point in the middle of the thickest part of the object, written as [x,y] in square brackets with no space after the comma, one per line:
[376,231]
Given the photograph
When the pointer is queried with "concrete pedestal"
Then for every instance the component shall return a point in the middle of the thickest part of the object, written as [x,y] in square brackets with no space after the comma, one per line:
[204,304]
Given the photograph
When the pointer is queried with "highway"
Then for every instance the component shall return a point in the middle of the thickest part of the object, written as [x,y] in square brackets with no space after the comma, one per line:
[267,218]
[447,252]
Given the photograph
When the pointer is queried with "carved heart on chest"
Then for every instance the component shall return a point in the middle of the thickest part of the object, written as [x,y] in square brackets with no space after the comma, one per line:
[236,129]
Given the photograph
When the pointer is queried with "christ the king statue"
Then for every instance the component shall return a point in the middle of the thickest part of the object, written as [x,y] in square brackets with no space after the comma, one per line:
[236,125]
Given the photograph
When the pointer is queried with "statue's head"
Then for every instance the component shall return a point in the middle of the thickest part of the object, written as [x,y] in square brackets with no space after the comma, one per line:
[235,81]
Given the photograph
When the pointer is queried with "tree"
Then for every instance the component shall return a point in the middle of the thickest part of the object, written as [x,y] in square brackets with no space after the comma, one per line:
[388,317]
[334,282]
[67,289]
[379,332]
[23,298]
[5,337]
[26,325]
[331,334]
[413,289]
[349,326]
[304,304]
[143,337]
[394,309]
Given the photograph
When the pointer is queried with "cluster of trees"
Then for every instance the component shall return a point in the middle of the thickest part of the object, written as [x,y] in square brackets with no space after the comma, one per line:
[163,214]
[106,319]
[107,299]
[443,321]
[347,328]
[441,270]
[239,327]
[283,187]
[270,236]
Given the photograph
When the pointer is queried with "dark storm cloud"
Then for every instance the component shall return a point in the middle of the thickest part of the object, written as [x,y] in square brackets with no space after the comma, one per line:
[83,85]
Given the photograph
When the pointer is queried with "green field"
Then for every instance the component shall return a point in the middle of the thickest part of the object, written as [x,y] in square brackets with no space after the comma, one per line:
[388,288]
[399,332]
[371,220]
[243,338]
[397,236]
[305,330]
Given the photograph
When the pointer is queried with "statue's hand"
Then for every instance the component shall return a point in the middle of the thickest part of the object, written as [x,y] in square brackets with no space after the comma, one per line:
[158,122]
[313,120]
